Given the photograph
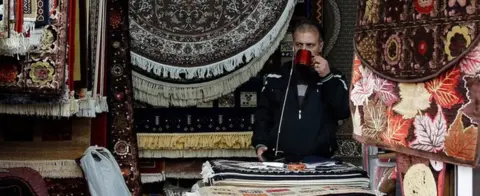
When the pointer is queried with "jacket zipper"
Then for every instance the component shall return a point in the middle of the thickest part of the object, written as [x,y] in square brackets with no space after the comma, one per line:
[300,114]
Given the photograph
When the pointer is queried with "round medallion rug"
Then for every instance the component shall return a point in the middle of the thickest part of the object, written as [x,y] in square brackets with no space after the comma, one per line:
[184,52]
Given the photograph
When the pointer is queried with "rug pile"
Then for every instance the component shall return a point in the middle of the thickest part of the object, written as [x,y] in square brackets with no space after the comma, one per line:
[258,174]
[290,191]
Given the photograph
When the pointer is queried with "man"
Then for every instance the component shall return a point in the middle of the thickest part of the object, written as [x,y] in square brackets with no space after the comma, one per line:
[316,101]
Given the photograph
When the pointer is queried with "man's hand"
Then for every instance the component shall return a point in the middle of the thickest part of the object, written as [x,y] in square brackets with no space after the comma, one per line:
[321,66]
[260,152]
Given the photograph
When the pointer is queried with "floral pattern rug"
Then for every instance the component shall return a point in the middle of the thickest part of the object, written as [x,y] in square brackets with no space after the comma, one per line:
[39,76]
[199,50]
[415,40]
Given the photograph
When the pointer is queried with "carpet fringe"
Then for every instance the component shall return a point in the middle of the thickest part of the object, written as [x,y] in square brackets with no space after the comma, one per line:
[90,106]
[17,43]
[183,175]
[48,169]
[152,177]
[215,153]
[217,68]
[159,93]
[194,141]
[85,107]
[55,110]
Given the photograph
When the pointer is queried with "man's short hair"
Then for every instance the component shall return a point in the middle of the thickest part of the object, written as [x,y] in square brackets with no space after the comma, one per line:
[308,24]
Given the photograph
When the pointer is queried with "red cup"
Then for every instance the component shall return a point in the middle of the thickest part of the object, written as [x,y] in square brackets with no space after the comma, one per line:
[304,57]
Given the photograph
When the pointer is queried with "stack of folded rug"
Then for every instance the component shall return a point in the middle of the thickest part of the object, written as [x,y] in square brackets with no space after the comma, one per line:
[256,174]
[290,191]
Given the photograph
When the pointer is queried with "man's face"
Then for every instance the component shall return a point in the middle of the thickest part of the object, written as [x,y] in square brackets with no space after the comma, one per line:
[309,40]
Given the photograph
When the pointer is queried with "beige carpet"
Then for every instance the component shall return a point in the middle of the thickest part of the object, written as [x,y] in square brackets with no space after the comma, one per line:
[50,140]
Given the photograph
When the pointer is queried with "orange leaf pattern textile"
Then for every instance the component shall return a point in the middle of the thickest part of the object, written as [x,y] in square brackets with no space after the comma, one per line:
[367,84]
[397,129]
[384,91]
[472,108]
[415,98]
[357,122]
[461,142]
[375,119]
[363,88]
[443,88]
[356,75]
[437,117]
[430,133]
[470,64]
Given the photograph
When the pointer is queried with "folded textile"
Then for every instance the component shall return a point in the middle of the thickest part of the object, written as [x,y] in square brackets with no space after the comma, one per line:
[151,170]
[171,190]
[291,191]
[256,174]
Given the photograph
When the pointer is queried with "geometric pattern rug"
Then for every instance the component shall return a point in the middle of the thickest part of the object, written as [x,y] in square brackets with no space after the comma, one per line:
[121,135]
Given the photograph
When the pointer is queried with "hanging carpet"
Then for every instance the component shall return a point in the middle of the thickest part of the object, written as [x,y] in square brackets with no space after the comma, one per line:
[415,78]
[185,52]
[28,138]
[188,132]
[41,75]
[413,41]
[43,72]
[121,133]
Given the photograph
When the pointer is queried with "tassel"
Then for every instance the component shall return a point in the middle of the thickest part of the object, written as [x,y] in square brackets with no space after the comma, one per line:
[217,153]
[98,107]
[104,104]
[48,169]
[74,106]
[91,106]
[151,178]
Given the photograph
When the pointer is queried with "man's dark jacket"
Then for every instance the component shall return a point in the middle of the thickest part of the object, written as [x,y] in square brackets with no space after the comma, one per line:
[308,129]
